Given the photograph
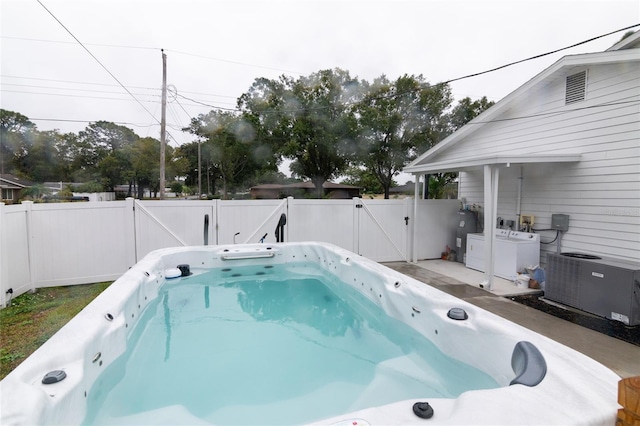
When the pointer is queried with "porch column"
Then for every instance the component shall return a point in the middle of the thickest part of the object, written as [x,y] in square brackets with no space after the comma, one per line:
[416,193]
[491,176]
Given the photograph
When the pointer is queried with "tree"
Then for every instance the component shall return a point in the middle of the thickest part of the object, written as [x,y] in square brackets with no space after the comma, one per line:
[94,144]
[307,120]
[35,192]
[16,132]
[229,148]
[365,179]
[176,187]
[145,165]
[396,120]
[465,111]
[44,159]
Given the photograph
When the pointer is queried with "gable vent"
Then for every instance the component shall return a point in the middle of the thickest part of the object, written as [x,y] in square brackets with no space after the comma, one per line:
[576,87]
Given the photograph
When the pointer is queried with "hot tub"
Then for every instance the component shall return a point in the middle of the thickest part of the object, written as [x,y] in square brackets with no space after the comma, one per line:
[510,375]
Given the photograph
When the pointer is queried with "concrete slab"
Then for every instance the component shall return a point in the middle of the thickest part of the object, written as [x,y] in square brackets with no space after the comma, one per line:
[462,274]
[621,357]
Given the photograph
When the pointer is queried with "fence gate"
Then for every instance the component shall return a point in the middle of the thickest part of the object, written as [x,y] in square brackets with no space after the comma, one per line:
[248,221]
[329,221]
[160,224]
[384,229]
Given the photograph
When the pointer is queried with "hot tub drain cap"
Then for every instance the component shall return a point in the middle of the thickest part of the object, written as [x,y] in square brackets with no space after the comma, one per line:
[423,410]
[54,376]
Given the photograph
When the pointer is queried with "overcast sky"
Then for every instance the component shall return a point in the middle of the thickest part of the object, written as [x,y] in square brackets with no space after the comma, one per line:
[216,49]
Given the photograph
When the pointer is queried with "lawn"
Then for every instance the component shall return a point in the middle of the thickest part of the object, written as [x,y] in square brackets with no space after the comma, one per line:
[33,318]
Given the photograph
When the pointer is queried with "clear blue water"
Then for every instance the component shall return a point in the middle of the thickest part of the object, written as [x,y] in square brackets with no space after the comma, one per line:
[268,346]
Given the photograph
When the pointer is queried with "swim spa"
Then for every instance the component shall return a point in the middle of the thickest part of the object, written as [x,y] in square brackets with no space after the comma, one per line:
[296,333]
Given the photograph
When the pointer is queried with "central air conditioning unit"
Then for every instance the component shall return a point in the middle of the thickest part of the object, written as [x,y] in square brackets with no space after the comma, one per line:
[605,287]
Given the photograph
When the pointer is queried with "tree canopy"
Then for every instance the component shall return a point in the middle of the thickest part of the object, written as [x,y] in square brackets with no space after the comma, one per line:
[328,125]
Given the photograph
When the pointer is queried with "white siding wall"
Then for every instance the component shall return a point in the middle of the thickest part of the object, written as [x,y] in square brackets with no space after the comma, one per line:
[601,193]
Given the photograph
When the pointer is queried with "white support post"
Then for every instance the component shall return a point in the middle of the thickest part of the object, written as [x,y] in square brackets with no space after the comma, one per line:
[488,228]
[416,193]
[491,178]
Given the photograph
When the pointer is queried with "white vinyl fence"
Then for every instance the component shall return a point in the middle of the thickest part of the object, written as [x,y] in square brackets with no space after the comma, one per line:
[45,245]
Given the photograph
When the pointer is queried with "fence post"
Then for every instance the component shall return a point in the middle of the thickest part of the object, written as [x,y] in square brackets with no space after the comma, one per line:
[4,283]
[408,213]
[357,205]
[290,200]
[130,245]
[30,237]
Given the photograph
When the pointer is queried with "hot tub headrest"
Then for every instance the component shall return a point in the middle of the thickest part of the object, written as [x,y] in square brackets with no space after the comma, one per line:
[528,364]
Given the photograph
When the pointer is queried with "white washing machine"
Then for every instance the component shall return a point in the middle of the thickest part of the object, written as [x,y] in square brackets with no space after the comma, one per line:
[514,251]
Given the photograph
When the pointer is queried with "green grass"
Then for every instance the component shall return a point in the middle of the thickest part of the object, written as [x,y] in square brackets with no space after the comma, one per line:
[33,318]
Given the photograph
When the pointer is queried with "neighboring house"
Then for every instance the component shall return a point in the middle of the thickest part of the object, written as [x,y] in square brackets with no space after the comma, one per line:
[406,189]
[11,187]
[567,142]
[302,189]
[450,190]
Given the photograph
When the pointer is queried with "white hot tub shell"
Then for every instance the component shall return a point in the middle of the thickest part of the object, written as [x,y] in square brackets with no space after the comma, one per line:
[574,389]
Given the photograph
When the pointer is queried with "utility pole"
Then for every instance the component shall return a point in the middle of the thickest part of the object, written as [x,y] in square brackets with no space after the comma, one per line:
[163,123]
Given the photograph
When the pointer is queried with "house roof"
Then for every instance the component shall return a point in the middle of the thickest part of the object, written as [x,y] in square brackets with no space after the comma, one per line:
[304,185]
[428,162]
[407,187]
[630,42]
[13,182]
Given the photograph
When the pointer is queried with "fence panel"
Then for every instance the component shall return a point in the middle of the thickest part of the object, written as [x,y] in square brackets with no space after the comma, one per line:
[249,219]
[383,231]
[76,243]
[45,245]
[161,224]
[14,251]
[331,221]
[435,227]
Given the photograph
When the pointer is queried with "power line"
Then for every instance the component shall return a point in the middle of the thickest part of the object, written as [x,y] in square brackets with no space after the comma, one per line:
[179,52]
[73,89]
[396,94]
[544,114]
[73,82]
[96,59]
[233,62]
[65,120]
[105,84]
[208,105]
[78,96]
[70,42]
[540,55]
[200,103]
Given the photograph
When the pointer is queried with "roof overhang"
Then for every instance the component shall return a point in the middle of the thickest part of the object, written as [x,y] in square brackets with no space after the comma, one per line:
[7,184]
[506,160]
[568,62]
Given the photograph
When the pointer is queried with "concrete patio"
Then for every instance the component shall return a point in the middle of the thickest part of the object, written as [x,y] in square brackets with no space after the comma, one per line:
[459,281]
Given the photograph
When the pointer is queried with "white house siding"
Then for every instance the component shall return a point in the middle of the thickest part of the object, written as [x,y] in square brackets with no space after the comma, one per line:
[601,193]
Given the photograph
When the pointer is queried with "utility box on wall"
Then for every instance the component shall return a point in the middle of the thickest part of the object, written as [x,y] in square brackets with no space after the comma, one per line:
[560,222]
